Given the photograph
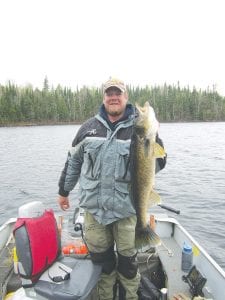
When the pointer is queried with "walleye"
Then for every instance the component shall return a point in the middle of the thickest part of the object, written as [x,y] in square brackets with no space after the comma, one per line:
[144,151]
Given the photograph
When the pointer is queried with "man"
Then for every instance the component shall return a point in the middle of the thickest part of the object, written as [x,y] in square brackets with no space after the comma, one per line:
[99,159]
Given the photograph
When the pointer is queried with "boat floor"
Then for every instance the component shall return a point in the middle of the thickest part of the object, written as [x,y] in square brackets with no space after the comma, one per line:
[170,255]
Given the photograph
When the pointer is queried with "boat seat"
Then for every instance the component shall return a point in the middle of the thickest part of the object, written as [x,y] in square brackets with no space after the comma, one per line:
[60,278]
[83,278]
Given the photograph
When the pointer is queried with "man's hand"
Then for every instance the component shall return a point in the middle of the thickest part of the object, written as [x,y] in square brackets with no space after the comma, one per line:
[64,202]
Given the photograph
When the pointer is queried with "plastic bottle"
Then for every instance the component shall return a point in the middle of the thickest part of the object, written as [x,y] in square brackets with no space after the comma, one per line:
[187,257]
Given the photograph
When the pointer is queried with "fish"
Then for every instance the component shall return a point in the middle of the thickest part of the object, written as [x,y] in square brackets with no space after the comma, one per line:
[144,151]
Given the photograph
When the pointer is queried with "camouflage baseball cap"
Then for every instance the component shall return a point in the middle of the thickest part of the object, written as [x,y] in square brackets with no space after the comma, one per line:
[114,82]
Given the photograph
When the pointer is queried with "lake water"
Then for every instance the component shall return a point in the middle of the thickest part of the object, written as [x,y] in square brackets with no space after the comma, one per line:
[31,159]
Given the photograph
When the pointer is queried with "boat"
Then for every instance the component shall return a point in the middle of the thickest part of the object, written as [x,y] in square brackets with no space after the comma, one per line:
[162,277]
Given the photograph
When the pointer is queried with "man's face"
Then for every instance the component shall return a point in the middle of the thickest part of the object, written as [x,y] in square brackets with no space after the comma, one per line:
[115,102]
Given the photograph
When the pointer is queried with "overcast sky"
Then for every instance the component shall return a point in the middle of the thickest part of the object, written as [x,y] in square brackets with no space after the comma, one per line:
[83,42]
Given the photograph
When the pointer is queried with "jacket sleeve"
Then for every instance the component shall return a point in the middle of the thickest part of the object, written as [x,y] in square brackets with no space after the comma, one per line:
[71,171]
[160,162]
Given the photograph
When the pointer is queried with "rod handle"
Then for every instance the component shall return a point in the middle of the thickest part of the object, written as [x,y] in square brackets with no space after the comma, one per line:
[169,208]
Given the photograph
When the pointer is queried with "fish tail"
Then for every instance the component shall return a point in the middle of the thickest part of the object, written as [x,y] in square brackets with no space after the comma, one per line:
[146,237]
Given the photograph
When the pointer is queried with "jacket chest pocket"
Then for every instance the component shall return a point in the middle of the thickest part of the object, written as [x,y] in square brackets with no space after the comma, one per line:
[122,171]
[92,161]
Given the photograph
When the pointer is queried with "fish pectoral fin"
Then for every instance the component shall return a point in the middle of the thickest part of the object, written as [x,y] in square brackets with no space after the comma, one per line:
[155,198]
[159,152]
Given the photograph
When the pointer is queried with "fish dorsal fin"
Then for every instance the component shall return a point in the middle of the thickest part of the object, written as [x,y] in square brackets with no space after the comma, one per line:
[159,152]
[154,198]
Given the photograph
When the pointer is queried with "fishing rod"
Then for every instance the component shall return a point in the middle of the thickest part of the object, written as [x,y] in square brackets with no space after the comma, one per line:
[169,208]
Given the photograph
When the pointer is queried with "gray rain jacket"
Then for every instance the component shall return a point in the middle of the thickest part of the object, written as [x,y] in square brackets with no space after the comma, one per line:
[100,160]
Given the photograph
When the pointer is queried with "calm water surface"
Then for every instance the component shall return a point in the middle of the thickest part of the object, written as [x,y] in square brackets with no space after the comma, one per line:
[31,159]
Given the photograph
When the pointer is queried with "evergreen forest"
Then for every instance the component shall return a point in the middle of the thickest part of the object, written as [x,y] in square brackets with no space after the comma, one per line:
[62,105]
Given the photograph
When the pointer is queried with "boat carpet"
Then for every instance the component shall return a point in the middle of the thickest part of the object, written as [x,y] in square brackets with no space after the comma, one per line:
[6,267]
[9,281]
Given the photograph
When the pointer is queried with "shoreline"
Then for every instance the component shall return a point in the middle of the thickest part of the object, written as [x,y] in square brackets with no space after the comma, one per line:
[26,124]
[29,124]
